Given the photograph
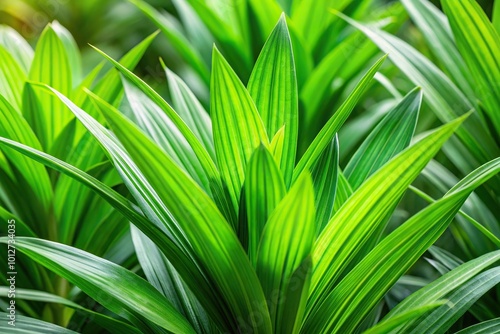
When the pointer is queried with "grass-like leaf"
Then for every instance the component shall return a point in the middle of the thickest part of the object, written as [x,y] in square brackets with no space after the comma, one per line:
[273,87]
[93,274]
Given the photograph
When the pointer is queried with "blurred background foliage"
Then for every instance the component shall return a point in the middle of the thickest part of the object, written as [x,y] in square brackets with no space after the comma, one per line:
[118,25]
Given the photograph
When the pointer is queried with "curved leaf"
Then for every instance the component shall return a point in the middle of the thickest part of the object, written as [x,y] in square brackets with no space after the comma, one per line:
[353,225]
[264,189]
[286,241]
[325,136]
[390,136]
[273,87]
[129,296]
[479,44]
[237,127]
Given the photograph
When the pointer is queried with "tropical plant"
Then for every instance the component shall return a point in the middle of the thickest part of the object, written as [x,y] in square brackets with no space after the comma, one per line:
[232,232]
[329,55]
[465,76]
[43,203]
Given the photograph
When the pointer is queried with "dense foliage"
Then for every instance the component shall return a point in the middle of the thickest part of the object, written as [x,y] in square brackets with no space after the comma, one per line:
[325,167]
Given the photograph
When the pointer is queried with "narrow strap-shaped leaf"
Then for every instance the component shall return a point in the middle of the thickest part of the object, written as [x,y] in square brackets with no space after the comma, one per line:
[485,327]
[264,189]
[129,296]
[446,100]
[353,131]
[317,88]
[343,192]
[15,127]
[50,66]
[392,257]
[163,276]
[202,154]
[354,223]
[440,320]
[484,230]
[325,136]
[312,17]
[86,152]
[72,51]
[22,228]
[276,144]
[228,23]
[479,44]
[176,38]
[155,97]
[111,324]
[11,40]
[386,326]
[237,127]
[12,79]
[390,136]
[273,87]
[436,30]
[197,221]
[192,112]
[184,264]
[162,228]
[153,121]
[325,175]
[26,325]
[286,241]
[444,284]
[198,34]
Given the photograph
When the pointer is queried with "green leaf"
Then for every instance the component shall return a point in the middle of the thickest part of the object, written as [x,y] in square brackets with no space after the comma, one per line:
[202,154]
[485,327]
[436,30]
[163,276]
[353,225]
[15,127]
[176,38]
[26,325]
[312,17]
[228,23]
[496,16]
[445,99]
[129,296]
[386,326]
[286,241]
[160,231]
[273,87]
[152,230]
[370,279]
[153,122]
[86,151]
[390,136]
[12,78]
[479,44]
[237,127]
[264,189]
[191,111]
[325,175]
[351,134]
[440,320]
[276,145]
[111,324]
[11,40]
[50,66]
[72,51]
[199,225]
[325,137]
[343,192]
